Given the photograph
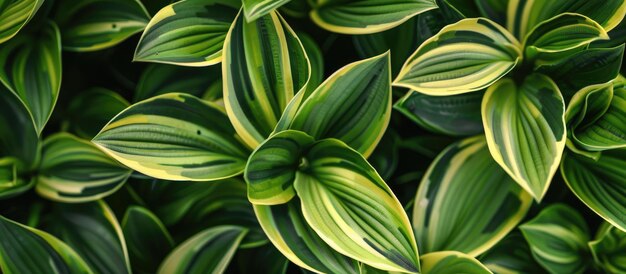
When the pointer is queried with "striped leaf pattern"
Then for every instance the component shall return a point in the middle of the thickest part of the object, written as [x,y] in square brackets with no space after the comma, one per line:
[27,250]
[450,216]
[209,251]
[159,79]
[366,16]
[600,184]
[14,14]
[516,119]
[608,248]
[10,182]
[19,138]
[30,66]
[449,262]
[558,239]
[511,255]
[74,170]
[96,107]
[255,9]
[175,137]
[187,33]
[264,66]
[347,203]
[89,25]
[356,101]
[465,56]
[147,238]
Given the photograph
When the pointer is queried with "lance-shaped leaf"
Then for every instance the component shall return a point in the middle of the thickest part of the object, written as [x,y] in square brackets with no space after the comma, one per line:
[316,58]
[525,129]
[608,248]
[159,79]
[14,15]
[558,239]
[18,138]
[187,33]
[449,262]
[523,16]
[27,250]
[450,211]
[600,184]
[74,170]
[90,110]
[147,238]
[209,251]
[453,115]
[511,255]
[352,105]
[466,56]
[89,25]
[175,137]
[347,203]
[366,16]
[30,66]
[255,9]
[93,231]
[264,66]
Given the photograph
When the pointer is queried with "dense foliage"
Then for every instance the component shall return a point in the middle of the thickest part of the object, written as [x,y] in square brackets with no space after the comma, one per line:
[327,136]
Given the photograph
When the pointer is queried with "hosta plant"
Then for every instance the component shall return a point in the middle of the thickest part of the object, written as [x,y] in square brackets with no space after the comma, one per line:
[325,136]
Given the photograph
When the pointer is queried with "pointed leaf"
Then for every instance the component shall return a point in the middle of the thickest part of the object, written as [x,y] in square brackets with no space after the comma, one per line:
[159,79]
[525,129]
[147,238]
[18,137]
[90,110]
[14,15]
[608,249]
[255,9]
[174,137]
[449,262]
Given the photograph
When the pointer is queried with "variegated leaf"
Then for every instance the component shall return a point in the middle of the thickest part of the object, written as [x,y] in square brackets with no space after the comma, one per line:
[450,262]
[511,255]
[608,248]
[14,14]
[255,9]
[19,138]
[147,238]
[90,110]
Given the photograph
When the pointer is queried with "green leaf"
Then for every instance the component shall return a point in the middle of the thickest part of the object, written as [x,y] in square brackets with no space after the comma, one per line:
[28,250]
[452,115]
[296,8]
[187,33]
[523,16]
[11,183]
[608,248]
[518,118]
[367,16]
[316,58]
[90,110]
[347,203]
[449,262]
[174,137]
[93,231]
[18,136]
[264,66]
[159,79]
[467,56]
[600,184]
[493,9]
[89,25]
[209,251]
[14,14]
[511,255]
[147,238]
[352,105]
[30,66]
[262,259]
[449,215]
[255,9]
[558,239]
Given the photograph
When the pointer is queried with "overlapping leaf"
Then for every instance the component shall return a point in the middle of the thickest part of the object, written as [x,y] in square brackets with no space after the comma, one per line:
[14,14]
[147,239]
[255,9]
[19,138]
[511,255]
[159,79]
[96,107]
[608,248]
[449,262]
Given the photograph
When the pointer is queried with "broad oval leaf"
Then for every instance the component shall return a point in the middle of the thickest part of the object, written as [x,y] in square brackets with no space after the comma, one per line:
[352,105]
[19,138]
[608,248]
[366,16]
[600,184]
[14,14]
[209,251]
[558,239]
[30,66]
[525,129]
[187,33]
[90,110]
[74,170]
[147,238]
[159,79]
[255,9]
[466,56]
[511,255]
[450,215]
[27,250]
[94,232]
[89,25]
[346,202]
[449,262]
[175,137]
[264,67]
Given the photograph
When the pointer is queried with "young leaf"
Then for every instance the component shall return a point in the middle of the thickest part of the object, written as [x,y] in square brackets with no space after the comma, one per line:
[18,137]
[175,137]
[466,56]
[518,118]
[30,66]
[264,66]
[14,15]
[608,249]
[187,33]
[449,215]
[558,239]
[147,238]
[159,79]
[255,9]
[90,110]
[511,255]
[449,262]
[89,25]
[367,16]
[27,250]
